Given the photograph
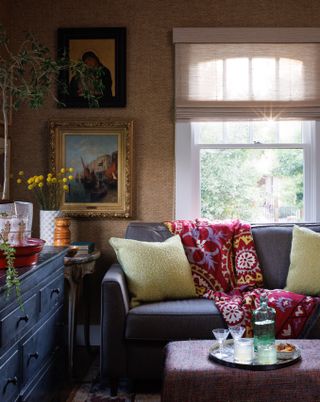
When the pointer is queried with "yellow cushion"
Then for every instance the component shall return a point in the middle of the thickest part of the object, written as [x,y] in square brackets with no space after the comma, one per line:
[304,270]
[155,271]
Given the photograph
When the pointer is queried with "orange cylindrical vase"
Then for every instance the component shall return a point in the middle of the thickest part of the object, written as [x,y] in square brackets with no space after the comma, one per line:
[62,234]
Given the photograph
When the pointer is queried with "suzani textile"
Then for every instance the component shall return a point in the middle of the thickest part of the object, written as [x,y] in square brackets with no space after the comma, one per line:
[225,268]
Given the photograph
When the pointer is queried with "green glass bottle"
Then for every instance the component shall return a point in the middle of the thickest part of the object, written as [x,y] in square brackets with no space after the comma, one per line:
[264,324]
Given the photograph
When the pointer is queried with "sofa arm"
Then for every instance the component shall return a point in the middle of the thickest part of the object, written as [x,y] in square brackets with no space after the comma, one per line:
[114,309]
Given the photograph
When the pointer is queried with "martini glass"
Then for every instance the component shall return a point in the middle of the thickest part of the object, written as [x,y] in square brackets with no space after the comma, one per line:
[221,335]
[237,332]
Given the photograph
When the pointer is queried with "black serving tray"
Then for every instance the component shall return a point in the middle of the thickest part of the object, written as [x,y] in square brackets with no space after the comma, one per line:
[228,360]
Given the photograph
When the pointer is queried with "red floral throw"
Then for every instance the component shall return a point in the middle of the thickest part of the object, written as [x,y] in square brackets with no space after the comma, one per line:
[225,269]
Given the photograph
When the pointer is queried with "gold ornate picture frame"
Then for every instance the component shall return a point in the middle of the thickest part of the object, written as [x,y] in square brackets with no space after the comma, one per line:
[100,153]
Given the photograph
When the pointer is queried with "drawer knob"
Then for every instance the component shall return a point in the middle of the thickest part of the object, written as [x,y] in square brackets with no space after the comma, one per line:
[31,356]
[24,318]
[34,355]
[55,290]
[12,380]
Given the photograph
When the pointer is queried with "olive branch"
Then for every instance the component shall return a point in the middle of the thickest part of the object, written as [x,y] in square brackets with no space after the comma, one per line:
[12,277]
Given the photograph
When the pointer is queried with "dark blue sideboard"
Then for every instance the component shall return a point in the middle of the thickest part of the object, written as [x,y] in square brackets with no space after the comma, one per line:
[32,353]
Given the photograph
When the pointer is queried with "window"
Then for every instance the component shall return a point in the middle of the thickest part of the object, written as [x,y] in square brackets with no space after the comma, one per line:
[260,171]
[247,131]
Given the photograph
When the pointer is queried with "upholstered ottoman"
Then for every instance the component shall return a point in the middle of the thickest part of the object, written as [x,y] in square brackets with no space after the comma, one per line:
[189,376]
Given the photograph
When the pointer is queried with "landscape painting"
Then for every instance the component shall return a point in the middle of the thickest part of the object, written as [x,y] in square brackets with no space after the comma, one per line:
[100,155]
[94,159]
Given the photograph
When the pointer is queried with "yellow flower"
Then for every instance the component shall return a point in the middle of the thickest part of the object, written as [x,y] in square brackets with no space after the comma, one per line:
[21,173]
[19,181]
[49,180]
[30,181]
[64,180]
[36,180]
[53,180]
[66,188]
[71,170]
[41,178]
[62,170]
[30,187]
[70,177]
[49,175]
[40,184]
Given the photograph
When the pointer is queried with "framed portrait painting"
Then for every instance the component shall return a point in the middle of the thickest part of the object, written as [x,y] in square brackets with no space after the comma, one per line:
[103,49]
[100,154]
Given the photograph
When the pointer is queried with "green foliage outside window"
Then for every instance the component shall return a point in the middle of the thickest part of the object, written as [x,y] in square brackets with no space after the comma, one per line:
[252,184]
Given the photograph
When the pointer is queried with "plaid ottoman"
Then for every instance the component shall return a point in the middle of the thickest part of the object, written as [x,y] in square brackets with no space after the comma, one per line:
[189,376]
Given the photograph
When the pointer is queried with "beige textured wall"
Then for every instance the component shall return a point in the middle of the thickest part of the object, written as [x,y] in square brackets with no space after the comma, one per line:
[150,84]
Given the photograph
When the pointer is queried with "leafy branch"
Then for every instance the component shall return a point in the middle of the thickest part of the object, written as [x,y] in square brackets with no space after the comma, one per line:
[28,76]
[12,278]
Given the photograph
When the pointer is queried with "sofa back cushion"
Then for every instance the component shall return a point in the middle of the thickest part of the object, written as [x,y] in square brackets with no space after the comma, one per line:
[273,245]
[147,231]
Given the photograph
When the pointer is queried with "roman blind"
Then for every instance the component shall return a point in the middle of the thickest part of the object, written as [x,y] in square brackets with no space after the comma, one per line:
[247,73]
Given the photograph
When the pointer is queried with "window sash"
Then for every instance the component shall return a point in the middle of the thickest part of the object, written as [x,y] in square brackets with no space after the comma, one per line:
[187,155]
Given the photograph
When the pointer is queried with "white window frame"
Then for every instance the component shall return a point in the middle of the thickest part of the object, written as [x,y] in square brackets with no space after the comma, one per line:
[187,156]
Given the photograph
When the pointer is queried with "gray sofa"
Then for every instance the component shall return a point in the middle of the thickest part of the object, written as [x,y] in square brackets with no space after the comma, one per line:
[132,340]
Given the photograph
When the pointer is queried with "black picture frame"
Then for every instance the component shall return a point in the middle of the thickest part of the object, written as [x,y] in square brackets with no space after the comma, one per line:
[107,44]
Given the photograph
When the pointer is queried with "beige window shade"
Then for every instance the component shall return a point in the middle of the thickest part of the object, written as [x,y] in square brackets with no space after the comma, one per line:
[241,80]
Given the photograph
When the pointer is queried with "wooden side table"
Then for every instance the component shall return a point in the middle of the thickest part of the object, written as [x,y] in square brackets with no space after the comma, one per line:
[75,269]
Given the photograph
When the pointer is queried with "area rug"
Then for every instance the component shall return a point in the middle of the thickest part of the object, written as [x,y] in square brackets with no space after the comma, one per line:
[89,391]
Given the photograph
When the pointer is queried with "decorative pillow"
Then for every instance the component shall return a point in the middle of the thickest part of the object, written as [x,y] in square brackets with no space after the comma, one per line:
[155,271]
[304,270]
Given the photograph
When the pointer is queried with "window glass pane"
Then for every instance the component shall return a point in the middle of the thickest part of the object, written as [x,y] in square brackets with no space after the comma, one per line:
[209,132]
[236,132]
[265,131]
[257,185]
[247,132]
[222,132]
[290,132]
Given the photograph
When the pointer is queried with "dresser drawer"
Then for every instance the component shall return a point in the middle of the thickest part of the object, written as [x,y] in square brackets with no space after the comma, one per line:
[51,295]
[18,321]
[40,346]
[9,378]
[45,386]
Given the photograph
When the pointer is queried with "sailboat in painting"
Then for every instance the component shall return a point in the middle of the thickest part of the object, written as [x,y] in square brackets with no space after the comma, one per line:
[99,176]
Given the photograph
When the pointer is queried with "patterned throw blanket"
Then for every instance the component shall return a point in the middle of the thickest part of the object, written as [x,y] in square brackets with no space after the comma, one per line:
[225,268]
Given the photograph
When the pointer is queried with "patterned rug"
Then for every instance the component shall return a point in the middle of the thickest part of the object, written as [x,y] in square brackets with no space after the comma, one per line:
[89,391]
